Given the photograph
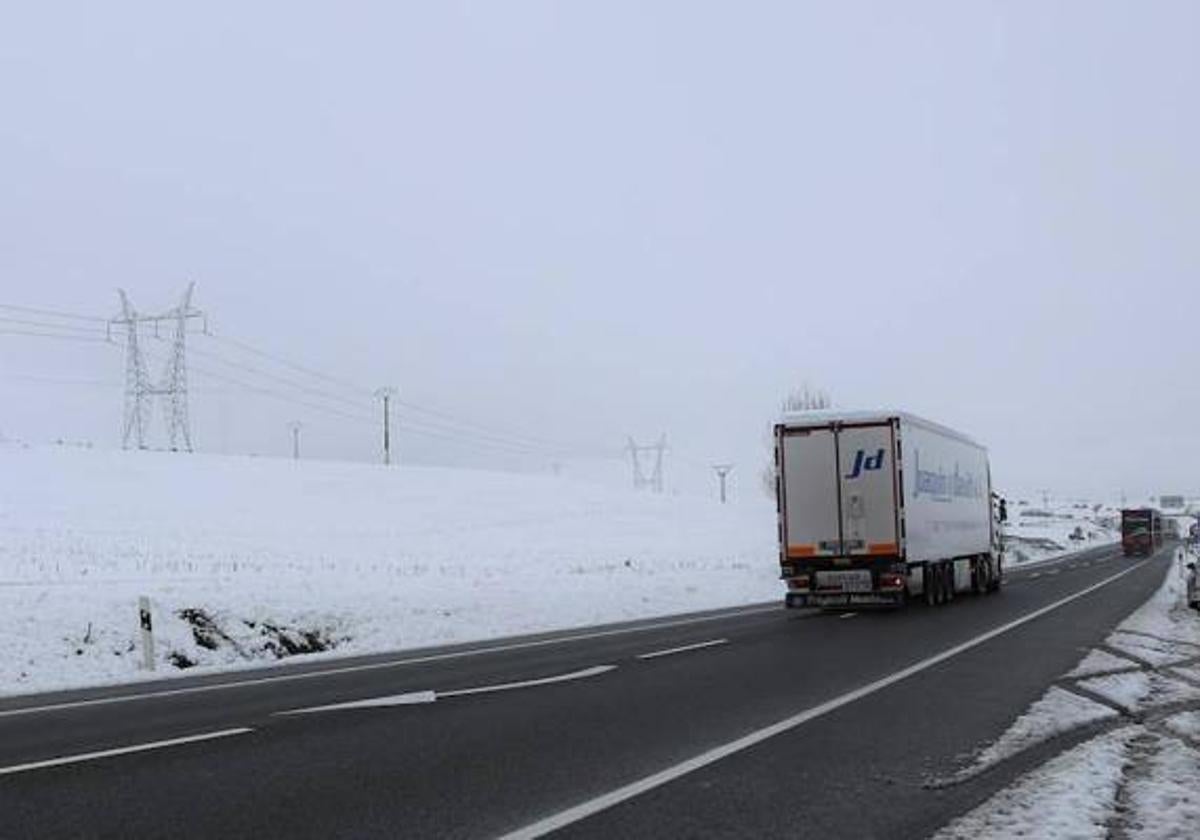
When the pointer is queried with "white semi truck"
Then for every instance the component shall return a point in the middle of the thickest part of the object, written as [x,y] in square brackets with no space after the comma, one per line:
[879,507]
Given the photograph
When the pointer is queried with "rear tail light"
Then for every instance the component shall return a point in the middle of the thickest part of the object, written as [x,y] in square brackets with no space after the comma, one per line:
[798,582]
[891,580]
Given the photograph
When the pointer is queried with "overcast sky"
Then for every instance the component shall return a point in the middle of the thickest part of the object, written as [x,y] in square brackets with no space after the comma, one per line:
[579,221]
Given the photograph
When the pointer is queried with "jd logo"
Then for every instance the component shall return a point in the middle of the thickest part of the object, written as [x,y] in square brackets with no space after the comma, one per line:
[862,462]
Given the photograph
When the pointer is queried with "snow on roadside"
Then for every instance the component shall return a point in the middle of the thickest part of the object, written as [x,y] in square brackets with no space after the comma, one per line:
[1156,651]
[1138,781]
[1034,534]
[1056,712]
[1186,724]
[1138,691]
[1165,799]
[247,560]
[1192,673]
[1166,615]
[1071,795]
[1100,662]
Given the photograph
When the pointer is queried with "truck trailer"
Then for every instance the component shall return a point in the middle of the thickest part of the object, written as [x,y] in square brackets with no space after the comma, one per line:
[880,507]
[1141,531]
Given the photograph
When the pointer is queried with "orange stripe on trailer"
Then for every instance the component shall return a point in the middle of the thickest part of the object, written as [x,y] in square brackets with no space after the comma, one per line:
[882,548]
[802,551]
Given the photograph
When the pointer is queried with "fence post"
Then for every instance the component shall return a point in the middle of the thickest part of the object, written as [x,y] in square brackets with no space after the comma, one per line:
[147,633]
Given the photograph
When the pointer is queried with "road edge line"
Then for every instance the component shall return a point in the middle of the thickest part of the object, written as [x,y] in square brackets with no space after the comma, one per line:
[397,663]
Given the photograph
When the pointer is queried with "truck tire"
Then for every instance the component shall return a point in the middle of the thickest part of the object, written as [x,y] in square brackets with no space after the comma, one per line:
[939,584]
[983,575]
[930,585]
[948,577]
[997,577]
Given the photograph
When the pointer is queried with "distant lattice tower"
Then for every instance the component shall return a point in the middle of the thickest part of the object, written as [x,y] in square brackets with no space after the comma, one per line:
[137,382]
[139,391]
[174,385]
[640,480]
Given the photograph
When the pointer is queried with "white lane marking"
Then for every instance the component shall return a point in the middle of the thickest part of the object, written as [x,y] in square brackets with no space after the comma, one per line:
[1054,571]
[417,697]
[409,699]
[1035,575]
[396,663]
[847,615]
[629,791]
[487,689]
[698,646]
[136,748]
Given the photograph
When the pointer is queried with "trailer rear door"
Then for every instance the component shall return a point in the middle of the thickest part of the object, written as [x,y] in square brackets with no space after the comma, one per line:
[867,476]
[810,492]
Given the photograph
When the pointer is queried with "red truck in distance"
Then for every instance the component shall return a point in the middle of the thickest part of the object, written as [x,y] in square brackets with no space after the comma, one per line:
[1141,531]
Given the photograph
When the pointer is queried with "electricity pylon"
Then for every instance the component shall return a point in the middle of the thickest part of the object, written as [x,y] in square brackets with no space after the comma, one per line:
[139,390]
[654,481]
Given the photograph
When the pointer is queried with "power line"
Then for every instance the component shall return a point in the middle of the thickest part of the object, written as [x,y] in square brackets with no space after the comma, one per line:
[277,395]
[279,379]
[527,443]
[51,325]
[54,313]
[441,424]
[293,365]
[468,424]
[63,336]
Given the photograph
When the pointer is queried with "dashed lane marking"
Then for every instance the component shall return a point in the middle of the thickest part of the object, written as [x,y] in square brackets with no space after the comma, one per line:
[671,651]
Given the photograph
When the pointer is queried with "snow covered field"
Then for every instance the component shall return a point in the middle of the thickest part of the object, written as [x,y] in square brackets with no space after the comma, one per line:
[1138,774]
[247,559]
[1042,532]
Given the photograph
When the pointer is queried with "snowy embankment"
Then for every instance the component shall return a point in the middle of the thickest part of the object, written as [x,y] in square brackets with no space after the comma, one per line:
[248,560]
[1135,700]
[1043,533]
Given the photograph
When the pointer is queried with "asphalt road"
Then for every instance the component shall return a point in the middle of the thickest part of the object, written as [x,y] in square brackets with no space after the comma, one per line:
[747,723]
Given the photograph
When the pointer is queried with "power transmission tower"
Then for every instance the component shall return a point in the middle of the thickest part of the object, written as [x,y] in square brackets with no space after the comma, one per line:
[295,426]
[137,382]
[386,395]
[722,471]
[139,390]
[654,481]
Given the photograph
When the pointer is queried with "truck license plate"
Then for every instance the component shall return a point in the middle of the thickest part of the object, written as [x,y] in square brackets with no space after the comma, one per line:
[857,580]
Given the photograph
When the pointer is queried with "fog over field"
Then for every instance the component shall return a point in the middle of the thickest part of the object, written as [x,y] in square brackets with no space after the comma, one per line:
[558,225]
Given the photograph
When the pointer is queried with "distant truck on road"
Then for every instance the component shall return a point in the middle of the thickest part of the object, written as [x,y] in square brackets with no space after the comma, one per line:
[1141,531]
[877,507]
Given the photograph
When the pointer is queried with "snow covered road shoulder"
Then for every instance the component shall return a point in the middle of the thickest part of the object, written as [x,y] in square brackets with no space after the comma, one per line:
[1136,774]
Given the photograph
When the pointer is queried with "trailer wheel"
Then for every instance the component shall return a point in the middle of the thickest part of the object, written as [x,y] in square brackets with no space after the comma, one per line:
[948,577]
[939,583]
[997,576]
[983,575]
[930,586]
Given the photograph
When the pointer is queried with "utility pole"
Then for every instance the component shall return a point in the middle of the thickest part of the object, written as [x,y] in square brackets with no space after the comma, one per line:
[295,426]
[722,471]
[386,393]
